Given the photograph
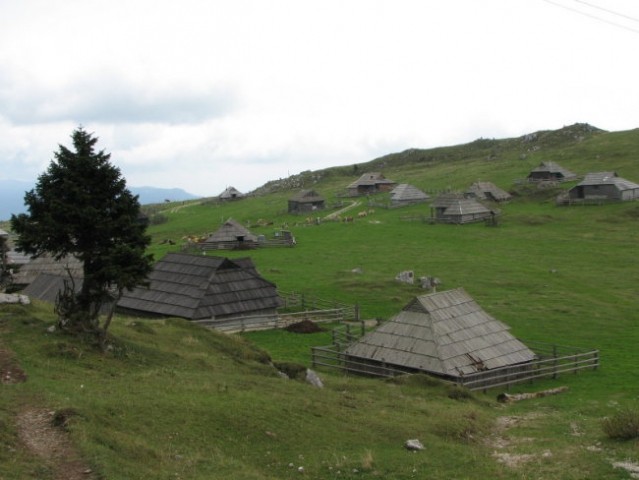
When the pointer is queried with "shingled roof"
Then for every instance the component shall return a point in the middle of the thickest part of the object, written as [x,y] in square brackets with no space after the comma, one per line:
[551,171]
[445,333]
[608,178]
[202,287]
[231,193]
[405,194]
[487,191]
[455,208]
[231,234]
[47,264]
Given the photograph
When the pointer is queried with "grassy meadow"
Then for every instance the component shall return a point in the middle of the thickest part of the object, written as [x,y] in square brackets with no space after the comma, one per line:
[172,400]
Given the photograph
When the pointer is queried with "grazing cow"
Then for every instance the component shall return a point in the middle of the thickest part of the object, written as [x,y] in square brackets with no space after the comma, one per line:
[362,214]
[348,219]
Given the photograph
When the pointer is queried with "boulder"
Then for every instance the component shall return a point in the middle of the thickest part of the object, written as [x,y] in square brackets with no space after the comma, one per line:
[14,298]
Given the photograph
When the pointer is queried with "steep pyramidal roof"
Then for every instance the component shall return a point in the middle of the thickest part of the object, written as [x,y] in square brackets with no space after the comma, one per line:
[405,193]
[445,333]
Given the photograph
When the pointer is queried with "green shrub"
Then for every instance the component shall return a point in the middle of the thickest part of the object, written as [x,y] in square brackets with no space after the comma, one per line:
[292,370]
[623,425]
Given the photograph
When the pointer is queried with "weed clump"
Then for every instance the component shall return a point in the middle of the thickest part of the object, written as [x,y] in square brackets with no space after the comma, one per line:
[292,370]
[623,425]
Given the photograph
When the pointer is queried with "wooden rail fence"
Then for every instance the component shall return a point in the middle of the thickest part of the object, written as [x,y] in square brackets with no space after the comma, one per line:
[552,361]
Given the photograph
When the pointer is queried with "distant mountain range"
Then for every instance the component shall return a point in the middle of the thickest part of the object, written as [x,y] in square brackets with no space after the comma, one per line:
[12,196]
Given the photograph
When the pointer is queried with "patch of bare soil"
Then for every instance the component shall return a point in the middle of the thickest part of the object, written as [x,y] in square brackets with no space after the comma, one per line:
[10,371]
[500,441]
[38,432]
[305,326]
[37,429]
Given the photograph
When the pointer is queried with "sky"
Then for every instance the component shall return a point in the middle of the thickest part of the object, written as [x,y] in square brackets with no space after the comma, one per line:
[206,94]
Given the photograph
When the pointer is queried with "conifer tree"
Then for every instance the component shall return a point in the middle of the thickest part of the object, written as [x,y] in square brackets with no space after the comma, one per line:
[81,206]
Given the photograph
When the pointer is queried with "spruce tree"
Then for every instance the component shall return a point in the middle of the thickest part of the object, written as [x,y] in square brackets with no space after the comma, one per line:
[81,206]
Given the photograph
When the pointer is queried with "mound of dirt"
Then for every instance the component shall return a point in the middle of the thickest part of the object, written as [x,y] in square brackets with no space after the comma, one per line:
[305,326]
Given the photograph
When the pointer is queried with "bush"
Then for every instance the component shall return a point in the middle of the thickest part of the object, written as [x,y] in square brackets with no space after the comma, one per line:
[623,425]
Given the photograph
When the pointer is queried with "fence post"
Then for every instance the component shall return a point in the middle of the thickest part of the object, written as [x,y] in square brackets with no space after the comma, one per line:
[363,327]
[313,357]
[357,311]
[596,359]
[554,355]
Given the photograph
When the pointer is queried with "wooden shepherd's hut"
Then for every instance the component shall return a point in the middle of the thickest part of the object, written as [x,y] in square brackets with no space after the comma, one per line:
[201,287]
[306,201]
[604,186]
[230,193]
[550,172]
[455,208]
[370,183]
[487,191]
[446,334]
[405,194]
[230,236]
[66,267]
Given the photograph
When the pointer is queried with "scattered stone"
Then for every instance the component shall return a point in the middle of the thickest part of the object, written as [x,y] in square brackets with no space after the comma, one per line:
[357,270]
[313,378]
[631,468]
[14,298]
[429,283]
[413,445]
[407,276]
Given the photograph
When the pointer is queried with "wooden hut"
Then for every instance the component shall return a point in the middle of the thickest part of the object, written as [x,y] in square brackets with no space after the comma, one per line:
[370,183]
[550,172]
[306,201]
[198,287]
[230,236]
[446,334]
[604,186]
[455,208]
[405,194]
[487,191]
[230,193]
[65,267]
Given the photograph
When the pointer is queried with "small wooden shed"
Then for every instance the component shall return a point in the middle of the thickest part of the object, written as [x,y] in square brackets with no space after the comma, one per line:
[487,191]
[405,194]
[604,186]
[550,172]
[230,236]
[199,287]
[230,193]
[306,201]
[370,183]
[455,208]
[446,334]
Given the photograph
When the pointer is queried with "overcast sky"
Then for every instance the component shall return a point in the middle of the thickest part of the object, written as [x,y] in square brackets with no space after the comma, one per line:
[205,94]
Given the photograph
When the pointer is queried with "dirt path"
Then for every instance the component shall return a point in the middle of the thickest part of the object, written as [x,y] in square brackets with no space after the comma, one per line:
[37,431]
[336,214]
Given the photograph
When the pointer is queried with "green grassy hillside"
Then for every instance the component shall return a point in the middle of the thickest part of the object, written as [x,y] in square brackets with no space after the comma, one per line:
[174,401]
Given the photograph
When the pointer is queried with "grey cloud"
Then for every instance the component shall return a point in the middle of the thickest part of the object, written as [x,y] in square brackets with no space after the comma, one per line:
[108,100]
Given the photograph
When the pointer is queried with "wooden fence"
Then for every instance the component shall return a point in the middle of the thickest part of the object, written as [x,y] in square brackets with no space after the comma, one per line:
[552,361]
[297,307]
[268,322]
[295,300]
